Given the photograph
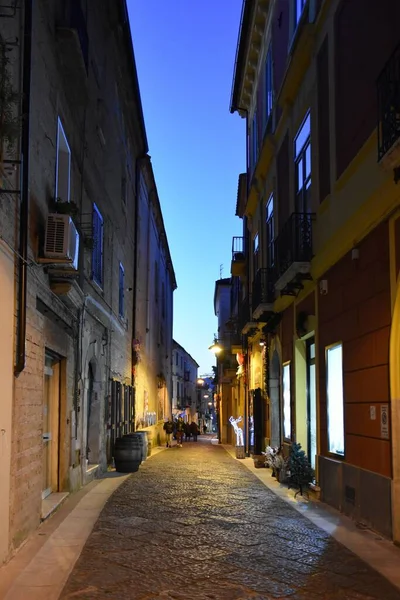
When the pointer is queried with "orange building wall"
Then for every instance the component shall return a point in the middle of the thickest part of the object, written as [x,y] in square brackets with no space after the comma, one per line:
[356,311]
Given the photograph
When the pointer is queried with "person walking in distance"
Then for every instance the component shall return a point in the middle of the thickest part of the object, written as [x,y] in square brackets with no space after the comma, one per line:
[168,428]
[180,430]
[194,430]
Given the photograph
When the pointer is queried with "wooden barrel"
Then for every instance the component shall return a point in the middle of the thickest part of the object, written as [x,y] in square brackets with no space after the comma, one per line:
[128,453]
[144,443]
[149,436]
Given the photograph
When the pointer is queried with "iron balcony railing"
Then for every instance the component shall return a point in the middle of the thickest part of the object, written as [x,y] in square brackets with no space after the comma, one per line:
[237,248]
[263,287]
[294,242]
[388,88]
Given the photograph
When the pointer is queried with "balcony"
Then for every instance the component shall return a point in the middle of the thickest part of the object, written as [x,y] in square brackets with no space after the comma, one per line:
[238,264]
[263,292]
[293,252]
[246,322]
[73,43]
[388,87]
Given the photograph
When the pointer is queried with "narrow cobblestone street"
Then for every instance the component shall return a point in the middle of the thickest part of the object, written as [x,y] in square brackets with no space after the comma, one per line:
[195,523]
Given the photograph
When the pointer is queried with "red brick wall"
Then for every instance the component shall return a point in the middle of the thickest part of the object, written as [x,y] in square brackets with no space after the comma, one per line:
[362,47]
[356,311]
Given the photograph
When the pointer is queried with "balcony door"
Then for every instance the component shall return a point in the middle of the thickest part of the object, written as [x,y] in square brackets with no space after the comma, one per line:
[311,402]
[302,157]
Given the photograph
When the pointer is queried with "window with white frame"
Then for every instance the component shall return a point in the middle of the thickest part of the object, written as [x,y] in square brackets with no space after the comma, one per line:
[299,6]
[287,402]
[121,296]
[97,253]
[334,393]
[302,158]
[63,166]
[256,252]
[269,218]
[268,85]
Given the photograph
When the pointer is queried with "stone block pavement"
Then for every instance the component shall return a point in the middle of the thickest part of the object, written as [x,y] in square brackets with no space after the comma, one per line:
[195,523]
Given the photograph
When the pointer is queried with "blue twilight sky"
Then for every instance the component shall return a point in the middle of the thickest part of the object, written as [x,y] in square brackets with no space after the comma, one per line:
[185,53]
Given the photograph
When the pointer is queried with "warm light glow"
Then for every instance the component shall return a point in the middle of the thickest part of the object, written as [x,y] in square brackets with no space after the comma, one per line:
[200,381]
[206,396]
[215,348]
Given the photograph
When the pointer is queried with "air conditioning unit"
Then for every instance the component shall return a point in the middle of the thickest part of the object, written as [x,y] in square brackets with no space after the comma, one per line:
[62,240]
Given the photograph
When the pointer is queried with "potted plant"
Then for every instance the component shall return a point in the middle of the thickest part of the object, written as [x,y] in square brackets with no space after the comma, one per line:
[301,472]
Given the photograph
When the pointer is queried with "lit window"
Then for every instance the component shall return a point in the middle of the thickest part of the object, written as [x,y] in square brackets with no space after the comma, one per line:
[334,390]
[121,290]
[63,166]
[302,157]
[287,409]
[97,254]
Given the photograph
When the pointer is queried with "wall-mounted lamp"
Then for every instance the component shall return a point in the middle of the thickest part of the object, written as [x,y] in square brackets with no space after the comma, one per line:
[215,348]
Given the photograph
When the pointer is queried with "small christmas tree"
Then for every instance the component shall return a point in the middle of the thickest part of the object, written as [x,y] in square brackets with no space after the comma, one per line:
[301,472]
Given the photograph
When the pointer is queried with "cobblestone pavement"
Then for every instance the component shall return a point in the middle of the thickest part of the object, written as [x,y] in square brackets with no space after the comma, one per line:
[195,523]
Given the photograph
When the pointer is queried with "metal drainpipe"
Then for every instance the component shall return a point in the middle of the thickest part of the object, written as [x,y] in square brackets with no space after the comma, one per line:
[24,207]
[135,261]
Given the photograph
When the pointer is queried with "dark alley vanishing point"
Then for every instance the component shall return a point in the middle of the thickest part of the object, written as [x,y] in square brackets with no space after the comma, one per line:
[195,523]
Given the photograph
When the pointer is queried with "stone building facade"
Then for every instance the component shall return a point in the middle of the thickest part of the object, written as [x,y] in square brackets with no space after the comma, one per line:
[184,382]
[68,351]
[320,278]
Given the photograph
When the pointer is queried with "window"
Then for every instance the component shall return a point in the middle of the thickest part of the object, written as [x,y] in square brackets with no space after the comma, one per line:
[177,359]
[121,290]
[268,85]
[302,157]
[254,142]
[63,166]
[255,253]
[269,216]
[98,239]
[298,10]
[334,392]
[287,409]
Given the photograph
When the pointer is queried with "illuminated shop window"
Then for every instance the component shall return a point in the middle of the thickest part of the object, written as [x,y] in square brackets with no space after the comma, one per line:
[334,391]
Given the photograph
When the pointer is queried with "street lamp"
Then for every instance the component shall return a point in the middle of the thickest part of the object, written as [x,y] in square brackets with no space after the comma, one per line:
[215,348]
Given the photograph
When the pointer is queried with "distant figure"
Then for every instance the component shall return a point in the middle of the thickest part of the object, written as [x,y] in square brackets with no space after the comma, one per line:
[187,432]
[168,428]
[204,429]
[194,430]
[180,430]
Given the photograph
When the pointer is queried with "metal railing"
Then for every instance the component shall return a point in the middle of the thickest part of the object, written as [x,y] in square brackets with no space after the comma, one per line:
[294,242]
[388,88]
[237,248]
[263,287]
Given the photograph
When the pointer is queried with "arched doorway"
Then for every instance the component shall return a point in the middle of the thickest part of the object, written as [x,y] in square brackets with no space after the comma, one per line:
[394,366]
[92,417]
[275,399]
